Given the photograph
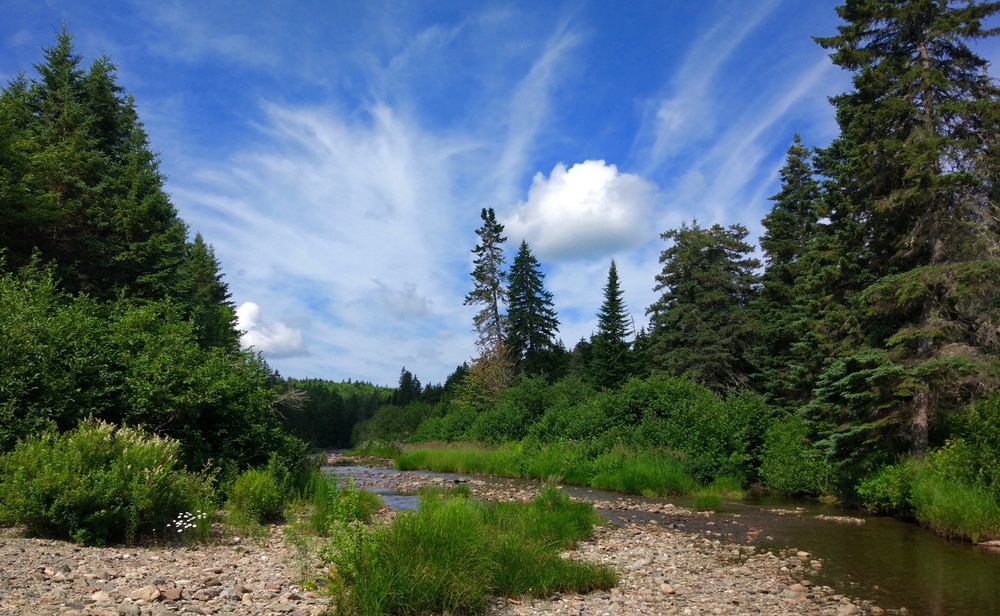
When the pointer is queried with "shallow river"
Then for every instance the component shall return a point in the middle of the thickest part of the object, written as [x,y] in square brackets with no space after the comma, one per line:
[897,565]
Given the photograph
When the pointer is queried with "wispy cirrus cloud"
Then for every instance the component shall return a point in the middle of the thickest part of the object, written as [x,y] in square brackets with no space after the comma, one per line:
[688,112]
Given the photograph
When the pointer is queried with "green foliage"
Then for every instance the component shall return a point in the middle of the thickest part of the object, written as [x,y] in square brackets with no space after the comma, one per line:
[256,497]
[947,502]
[531,320]
[789,463]
[611,361]
[335,504]
[134,364]
[98,484]
[715,436]
[106,310]
[452,554]
[889,491]
[701,325]
[911,184]
[859,411]
[650,473]
[53,368]
[982,435]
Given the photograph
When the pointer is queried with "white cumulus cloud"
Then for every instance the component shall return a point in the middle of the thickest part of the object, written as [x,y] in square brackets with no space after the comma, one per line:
[272,339]
[590,209]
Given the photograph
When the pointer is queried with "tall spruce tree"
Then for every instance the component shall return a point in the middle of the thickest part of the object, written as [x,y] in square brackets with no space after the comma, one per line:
[206,297]
[914,217]
[489,291]
[531,318]
[84,189]
[785,358]
[610,362]
[701,325]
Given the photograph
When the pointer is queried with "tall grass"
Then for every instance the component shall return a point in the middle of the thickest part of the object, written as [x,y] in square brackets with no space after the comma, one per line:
[649,473]
[954,508]
[501,461]
[453,553]
[630,471]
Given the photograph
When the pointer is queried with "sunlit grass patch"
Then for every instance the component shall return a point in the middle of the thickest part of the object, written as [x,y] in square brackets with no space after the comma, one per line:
[453,553]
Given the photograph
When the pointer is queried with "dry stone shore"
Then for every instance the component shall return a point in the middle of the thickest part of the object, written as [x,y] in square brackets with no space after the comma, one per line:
[665,569]
[260,577]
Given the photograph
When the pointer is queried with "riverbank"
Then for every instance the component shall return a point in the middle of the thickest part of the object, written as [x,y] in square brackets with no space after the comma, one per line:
[673,564]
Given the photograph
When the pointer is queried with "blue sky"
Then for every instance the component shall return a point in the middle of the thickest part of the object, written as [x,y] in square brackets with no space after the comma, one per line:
[337,154]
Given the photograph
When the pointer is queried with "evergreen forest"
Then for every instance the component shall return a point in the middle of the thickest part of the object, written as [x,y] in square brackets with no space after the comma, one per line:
[853,354]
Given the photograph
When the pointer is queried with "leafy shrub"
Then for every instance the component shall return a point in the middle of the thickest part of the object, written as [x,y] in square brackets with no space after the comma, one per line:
[508,421]
[256,497]
[888,492]
[789,464]
[575,420]
[98,484]
[139,364]
[983,439]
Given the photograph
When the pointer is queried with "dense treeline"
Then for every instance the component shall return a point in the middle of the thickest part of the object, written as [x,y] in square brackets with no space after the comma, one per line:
[108,309]
[867,338]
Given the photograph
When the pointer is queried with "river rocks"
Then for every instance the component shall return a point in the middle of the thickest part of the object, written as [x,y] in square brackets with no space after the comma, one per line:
[52,577]
[671,561]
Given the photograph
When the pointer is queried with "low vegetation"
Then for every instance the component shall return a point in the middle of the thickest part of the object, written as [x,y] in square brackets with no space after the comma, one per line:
[453,554]
[100,484]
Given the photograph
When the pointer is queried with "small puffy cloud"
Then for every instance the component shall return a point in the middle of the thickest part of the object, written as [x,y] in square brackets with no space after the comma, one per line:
[587,210]
[272,339]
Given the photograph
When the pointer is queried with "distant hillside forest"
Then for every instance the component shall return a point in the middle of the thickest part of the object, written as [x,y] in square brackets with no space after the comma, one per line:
[858,357]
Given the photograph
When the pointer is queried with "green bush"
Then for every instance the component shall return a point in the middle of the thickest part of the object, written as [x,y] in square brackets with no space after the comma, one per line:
[983,439]
[98,484]
[945,500]
[789,464]
[131,363]
[256,497]
[575,420]
[888,492]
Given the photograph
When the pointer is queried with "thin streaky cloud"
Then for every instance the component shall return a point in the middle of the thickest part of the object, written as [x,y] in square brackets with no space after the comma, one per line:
[687,114]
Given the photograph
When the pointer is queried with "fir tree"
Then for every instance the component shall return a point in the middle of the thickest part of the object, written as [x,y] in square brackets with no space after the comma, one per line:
[701,328]
[785,358]
[531,319]
[610,351]
[914,215]
[491,369]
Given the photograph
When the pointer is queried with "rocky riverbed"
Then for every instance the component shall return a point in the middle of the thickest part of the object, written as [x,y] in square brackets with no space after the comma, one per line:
[671,561]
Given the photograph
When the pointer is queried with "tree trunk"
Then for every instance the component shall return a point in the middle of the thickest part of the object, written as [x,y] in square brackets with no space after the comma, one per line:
[920,422]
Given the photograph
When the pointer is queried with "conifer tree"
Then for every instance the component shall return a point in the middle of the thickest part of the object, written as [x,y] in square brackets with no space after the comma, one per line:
[701,325]
[531,319]
[610,362]
[786,357]
[92,201]
[914,219]
[206,297]
[492,368]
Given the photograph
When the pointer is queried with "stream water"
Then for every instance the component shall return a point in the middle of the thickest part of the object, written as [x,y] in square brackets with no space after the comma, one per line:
[897,565]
